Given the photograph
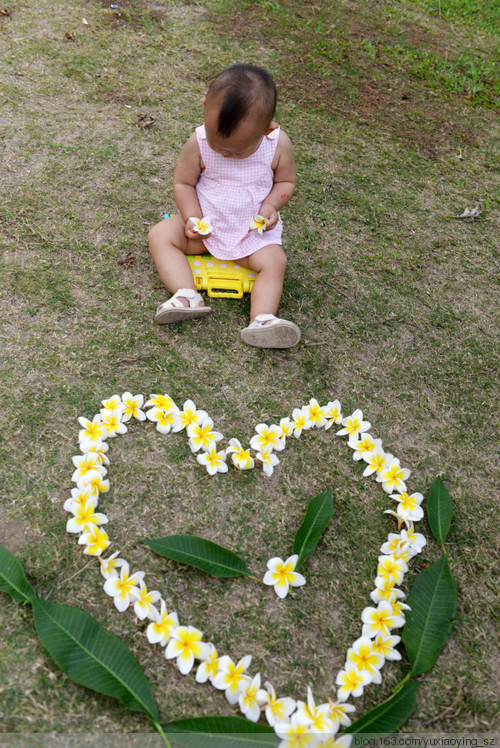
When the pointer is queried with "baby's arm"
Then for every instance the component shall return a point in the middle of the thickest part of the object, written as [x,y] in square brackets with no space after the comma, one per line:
[186,175]
[284,181]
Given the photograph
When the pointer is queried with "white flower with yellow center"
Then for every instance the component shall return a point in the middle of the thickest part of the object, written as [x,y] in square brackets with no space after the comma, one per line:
[365,444]
[189,415]
[232,677]
[296,733]
[282,575]
[393,476]
[242,459]
[316,413]
[385,643]
[95,541]
[185,646]
[300,421]
[277,710]
[318,716]
[333,414]
[110,565]
[95,484]
[98,448]
[259,223]
[351,681]
[79,497]
[202,436]
[144,601]
[112,421]
[354,425]
[269,461]
[161,401]
[398,608]
[122,587]
[377,461]
[112,402]
[87,466]
[215,462]
[339,741]
[385,590]
[392,569]
[267,438]
[208,669]
[251,699]
[162,624]
[286,428]
[166,420]
[364,657]
[380,620]
[338,714]
[396,546]
[93,431]
[409,506]
[132,405]
[84,518]
[415,539]
[202,226]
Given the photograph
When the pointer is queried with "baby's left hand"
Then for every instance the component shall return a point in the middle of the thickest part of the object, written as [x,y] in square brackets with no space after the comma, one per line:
[271,214]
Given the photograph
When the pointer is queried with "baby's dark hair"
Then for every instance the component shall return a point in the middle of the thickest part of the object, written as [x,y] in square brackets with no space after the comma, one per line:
[243,87]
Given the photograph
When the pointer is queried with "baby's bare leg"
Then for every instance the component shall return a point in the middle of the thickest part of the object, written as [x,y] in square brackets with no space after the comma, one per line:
[169,245]
[270,264]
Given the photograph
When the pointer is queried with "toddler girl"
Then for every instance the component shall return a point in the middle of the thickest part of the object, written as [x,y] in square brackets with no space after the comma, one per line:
[238,164]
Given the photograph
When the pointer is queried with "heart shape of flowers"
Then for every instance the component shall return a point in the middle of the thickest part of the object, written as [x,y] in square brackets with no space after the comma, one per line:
[290,718]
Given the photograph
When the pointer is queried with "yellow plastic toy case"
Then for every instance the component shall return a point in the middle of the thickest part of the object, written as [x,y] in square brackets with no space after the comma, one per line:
[223,278]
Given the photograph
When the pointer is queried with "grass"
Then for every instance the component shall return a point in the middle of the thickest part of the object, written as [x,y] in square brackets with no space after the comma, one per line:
[392,109]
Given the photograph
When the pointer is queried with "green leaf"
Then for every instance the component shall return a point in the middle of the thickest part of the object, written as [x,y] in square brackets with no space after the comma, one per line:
[12,578]
[433,603]
[319,511]
[439,509]
[226,732]
[389,716]
[92,656]
[200,553]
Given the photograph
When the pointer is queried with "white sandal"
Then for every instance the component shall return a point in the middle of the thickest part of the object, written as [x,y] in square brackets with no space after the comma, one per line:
[268,331]
[174,310]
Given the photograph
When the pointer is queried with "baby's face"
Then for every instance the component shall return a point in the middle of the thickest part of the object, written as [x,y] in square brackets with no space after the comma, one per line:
[244,141]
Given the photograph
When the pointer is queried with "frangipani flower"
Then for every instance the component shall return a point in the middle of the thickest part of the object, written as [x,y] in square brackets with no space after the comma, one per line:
[95,540]
[317,414]
[296,732]
[317,715]
[121,587]
[408,506]
[277,710]
[166,420]
[84,518]
[300,421]
[393,476]
[95,484]
[384,644]
[112,402]
[269,461]
[98,448]
[377,461]
[86,465]
[351,681]
[185,645]
[110,565]
[232,678]
[365,443]
[415,539]
[267,438]
[208,669]
[398,608]
[189,415]
[281,575]
[354,425]
[161,401]
[93,431]
[251,699]
[202,436]
[112,421]
[363,657]
[259,223]
[392,569]
[144,601]
[396,546]
[241,458]
[79,497]
[338,714]
[215,462]
[132,407]
[338,741]
[385,590]
[380,620]
[286,428]
[202,226]
[162,624]
[333,414]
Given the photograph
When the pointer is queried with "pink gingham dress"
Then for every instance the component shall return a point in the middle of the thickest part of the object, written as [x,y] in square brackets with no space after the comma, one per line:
[230,191]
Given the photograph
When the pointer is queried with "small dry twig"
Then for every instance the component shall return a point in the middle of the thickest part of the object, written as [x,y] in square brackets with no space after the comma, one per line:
[469,215]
